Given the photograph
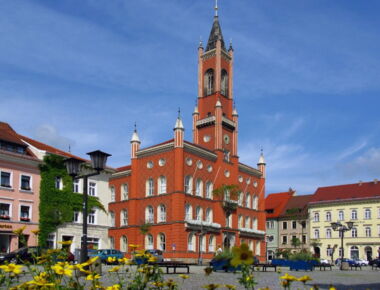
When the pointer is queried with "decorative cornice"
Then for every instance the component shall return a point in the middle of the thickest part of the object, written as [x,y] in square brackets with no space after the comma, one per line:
[209,54]
[362,200]
[19,158]
[226,56]
[205,122]
[121,174]
[200,152]
[249,170]
[155,150]
[228,123]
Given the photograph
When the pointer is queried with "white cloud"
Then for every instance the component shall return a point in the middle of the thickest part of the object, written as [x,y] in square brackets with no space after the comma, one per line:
[50,135]
[366,166]
[353,149]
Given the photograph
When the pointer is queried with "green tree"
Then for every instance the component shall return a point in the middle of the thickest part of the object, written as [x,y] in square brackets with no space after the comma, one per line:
[295,242]
[57,206]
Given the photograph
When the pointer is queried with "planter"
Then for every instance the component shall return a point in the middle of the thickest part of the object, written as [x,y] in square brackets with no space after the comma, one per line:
[4,217]
[295,265]
[223,265]
[25,219]
[140,261]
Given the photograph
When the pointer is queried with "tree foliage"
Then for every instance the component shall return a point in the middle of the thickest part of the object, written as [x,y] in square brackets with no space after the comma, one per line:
[57,206]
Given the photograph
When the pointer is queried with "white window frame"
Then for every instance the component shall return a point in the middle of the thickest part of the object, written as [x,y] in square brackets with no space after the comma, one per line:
[247,200]
[209,189]
[149,214]
[316,234]
[60,185]
[188,212]
[354,214]
[240,198]
[124,243]
[211,243]
[125,193]
[316,216]
[254,223]
[328,234]
[284,223]
[191,242]
[30,182]
[30,211]
[368,232]
[113,193]
[161,243]
[10,179]
[149,187]
[240,222]
[199,187]
[247,222]
[92,190]
[199,213]
[188,184]
[209,215]
[328,216]
[76,183]
[124,217]
[354,233]
[94,216]
[162,184]
[149,242]
[76,214]
[10,208]
[341,215]
[367,214]
[161,213]
[112,217]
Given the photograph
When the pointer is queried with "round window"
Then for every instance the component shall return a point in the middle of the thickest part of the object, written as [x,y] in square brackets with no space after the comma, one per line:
[189,161]
[161,162]
[149,164]
[206,138]
[240,178]
[200,164]
[209,168]
[226,173]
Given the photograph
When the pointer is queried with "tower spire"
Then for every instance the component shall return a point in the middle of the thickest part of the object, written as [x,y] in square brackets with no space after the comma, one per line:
[216,8]
[216,32]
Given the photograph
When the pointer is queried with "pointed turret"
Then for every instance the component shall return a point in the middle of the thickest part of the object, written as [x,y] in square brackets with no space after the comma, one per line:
[216,33]
[178,131]
[218,104]
[261,164]
[135,143]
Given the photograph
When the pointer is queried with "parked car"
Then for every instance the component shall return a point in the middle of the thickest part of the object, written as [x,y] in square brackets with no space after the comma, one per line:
[22,255]
[362,262]
[350,262]
[157,254]
[104,254]
[324,262]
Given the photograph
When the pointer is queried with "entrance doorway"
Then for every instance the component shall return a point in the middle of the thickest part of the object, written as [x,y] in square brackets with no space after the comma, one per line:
[227,243]
[5,241]
[368,253]
[317,252]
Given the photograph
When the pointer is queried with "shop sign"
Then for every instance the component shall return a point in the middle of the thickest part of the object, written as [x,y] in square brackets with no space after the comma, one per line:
[5,226]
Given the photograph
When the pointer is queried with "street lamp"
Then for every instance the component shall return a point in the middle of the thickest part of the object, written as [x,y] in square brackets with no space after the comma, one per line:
[341,229]
[73,166]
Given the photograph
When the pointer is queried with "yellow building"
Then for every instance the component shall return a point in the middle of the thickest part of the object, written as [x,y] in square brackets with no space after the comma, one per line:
[358,203]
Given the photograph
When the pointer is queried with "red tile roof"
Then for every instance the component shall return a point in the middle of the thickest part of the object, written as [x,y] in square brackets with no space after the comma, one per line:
[347,191]
[277,202]
[8,134]
[123,168]
[299,202]
[49,149]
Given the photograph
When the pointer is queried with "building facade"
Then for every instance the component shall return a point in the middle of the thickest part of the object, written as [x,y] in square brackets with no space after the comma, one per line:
[294,224]
[98,220]
[19,191]
[358,203]
[274,205]
[165,198]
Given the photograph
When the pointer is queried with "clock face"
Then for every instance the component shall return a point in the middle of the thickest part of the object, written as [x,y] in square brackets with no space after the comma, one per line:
[206,138]
[226,139]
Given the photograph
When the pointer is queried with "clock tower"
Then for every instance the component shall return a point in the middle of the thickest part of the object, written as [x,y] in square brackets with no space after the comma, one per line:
[215,120]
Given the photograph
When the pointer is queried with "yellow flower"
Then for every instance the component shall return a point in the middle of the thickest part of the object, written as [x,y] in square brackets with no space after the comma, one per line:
[125,261]
[65,243]
[12,268]
[183,276]
[288,277]
[40,280]
[241,255]
[249,278]
[331,287]
[63,269]
[114,269]
[114,287]
[228,286]
[304,279]
[111,259]
[36,232]
[133,247]
[285,283]
[90,261]
[211,286]
[157,284]
[152,259]
[19,231]
[170,283]
[93,277]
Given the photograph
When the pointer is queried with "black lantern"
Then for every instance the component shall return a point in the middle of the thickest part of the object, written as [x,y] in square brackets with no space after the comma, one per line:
[73,166]
[350,225]
[98,159]
[334,226]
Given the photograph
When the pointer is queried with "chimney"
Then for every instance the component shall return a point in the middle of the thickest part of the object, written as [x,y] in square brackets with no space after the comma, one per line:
[375,181]
[360,183]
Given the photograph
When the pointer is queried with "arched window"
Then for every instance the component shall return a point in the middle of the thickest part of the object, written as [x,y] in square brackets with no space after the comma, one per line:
[199,214]
[209,217]
[354,214]
[112,216]
[161,185]
[124,217]
[209,82]
[255,202]
[328,233]
[368,232]
[316,216]
[148,242]
[188,212]
[191,242]
[354,252]
[161,213]
[149,214]
[328,216]
[240,221]
[202,243]
[113,196]
[367,214]
[354,232]
[161,242]
[240,198]
[124,244]
[341,215]
[224,83]
[247,222]
[254,223]
[199,187]
[112,242]
[247,200]
[211,243]
[258,248]
[209,189]
[229,221]
[227,195]
[124,191]
[188,184]
[316,234]
[149,187]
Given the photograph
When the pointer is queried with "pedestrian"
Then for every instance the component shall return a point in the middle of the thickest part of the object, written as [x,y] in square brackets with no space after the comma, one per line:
[219,250]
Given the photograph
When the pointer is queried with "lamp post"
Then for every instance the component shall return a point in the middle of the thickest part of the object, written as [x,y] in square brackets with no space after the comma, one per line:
[73,166]
[342,229]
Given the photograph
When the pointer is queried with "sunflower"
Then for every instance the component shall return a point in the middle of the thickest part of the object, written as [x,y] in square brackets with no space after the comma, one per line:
[66,243]
[19,231]
[114,269]
[241,255]
[93,277]
[304,279]
[183,276]
[288,277]
[12,268]
[229,286]
[211,286]
[114,287]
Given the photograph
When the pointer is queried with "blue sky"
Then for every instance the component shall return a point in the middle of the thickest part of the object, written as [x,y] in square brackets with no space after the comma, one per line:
[307,79]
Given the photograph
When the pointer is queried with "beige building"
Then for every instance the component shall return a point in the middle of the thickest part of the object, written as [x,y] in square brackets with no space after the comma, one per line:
[293,224]
[358,203]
